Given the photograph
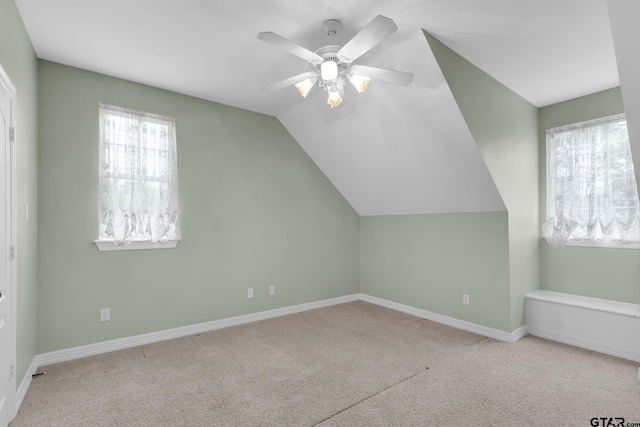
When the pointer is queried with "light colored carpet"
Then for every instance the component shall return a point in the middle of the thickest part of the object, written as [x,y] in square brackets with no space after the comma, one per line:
[354,364]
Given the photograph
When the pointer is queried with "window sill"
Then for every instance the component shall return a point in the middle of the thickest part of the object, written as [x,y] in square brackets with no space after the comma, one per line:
[107,245]
[614,245]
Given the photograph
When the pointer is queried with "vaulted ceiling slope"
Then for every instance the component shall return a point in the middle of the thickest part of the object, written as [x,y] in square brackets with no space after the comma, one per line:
[624,16]
[397,150]
[390,150]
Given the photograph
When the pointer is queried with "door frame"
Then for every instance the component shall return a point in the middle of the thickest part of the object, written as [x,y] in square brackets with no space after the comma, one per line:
[10,225]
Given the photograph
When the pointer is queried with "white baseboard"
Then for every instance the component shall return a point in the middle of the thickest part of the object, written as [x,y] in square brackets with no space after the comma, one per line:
[608,327]
[134,341]
[519,333]
[510,337]
[25,383]
[122,343]
[497,334]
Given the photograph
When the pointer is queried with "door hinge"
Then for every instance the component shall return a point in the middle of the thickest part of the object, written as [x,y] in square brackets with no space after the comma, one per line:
[12,252]
[11,371]
[12,134]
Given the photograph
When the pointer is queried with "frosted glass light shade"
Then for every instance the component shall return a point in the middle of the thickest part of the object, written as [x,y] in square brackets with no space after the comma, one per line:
[304,87]
[334,98]
[329,70]
[359,82]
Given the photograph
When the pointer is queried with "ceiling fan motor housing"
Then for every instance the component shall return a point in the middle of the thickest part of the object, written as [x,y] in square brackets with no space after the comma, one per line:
[329,53]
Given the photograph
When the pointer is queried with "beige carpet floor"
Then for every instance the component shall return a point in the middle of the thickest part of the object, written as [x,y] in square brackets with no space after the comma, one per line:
[354,364]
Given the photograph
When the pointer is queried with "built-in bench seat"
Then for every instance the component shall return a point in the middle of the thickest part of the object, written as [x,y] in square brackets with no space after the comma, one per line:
[609,327]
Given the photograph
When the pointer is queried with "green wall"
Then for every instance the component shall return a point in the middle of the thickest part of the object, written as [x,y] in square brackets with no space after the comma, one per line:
[256,211]
[19,61]
[595,272]
[429,261]
[505,128]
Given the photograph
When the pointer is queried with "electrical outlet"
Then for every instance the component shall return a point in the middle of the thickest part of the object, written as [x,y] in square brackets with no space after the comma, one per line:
[465,299]
[250,293]
[272,290]
[105,314]
[26,212]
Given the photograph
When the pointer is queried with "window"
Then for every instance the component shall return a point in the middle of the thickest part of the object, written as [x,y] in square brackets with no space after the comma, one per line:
[138,178]
[592,197]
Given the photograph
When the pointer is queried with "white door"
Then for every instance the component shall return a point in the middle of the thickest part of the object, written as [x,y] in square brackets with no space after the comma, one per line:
[6,346]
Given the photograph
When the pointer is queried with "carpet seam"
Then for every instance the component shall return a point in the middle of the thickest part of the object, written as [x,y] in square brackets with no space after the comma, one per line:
[370,397]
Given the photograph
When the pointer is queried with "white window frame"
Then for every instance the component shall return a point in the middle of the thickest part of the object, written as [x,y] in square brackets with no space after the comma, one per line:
[572,242]
[104,243]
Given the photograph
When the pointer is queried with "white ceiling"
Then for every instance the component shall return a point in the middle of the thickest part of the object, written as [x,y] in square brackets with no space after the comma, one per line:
[390,150]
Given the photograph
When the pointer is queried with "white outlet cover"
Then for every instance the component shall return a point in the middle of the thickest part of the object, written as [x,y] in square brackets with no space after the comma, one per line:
[105,314]
[250,293]
[272,290]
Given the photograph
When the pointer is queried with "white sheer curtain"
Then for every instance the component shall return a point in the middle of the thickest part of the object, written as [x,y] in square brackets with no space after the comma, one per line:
[138,177]
[591,186]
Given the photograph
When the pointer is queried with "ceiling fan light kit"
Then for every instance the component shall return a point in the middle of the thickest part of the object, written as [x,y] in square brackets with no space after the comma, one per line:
[329,70]
[359,82]
[305,86]
[332,65]
[334,97]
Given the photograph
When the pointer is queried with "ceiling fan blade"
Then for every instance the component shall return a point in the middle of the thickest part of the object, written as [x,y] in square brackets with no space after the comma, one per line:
[399,78]
[291,47]
[367,38]
[289,82]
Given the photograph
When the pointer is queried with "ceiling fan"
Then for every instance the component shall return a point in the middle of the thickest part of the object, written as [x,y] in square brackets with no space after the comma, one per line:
[332,66]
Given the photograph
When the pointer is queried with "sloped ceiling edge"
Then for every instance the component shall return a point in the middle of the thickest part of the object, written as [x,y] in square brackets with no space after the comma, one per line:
[626,33]
[397,150]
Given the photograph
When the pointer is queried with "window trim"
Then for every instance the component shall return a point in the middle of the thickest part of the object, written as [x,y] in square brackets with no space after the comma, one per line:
[612,245]
[136,245]
[105,243]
